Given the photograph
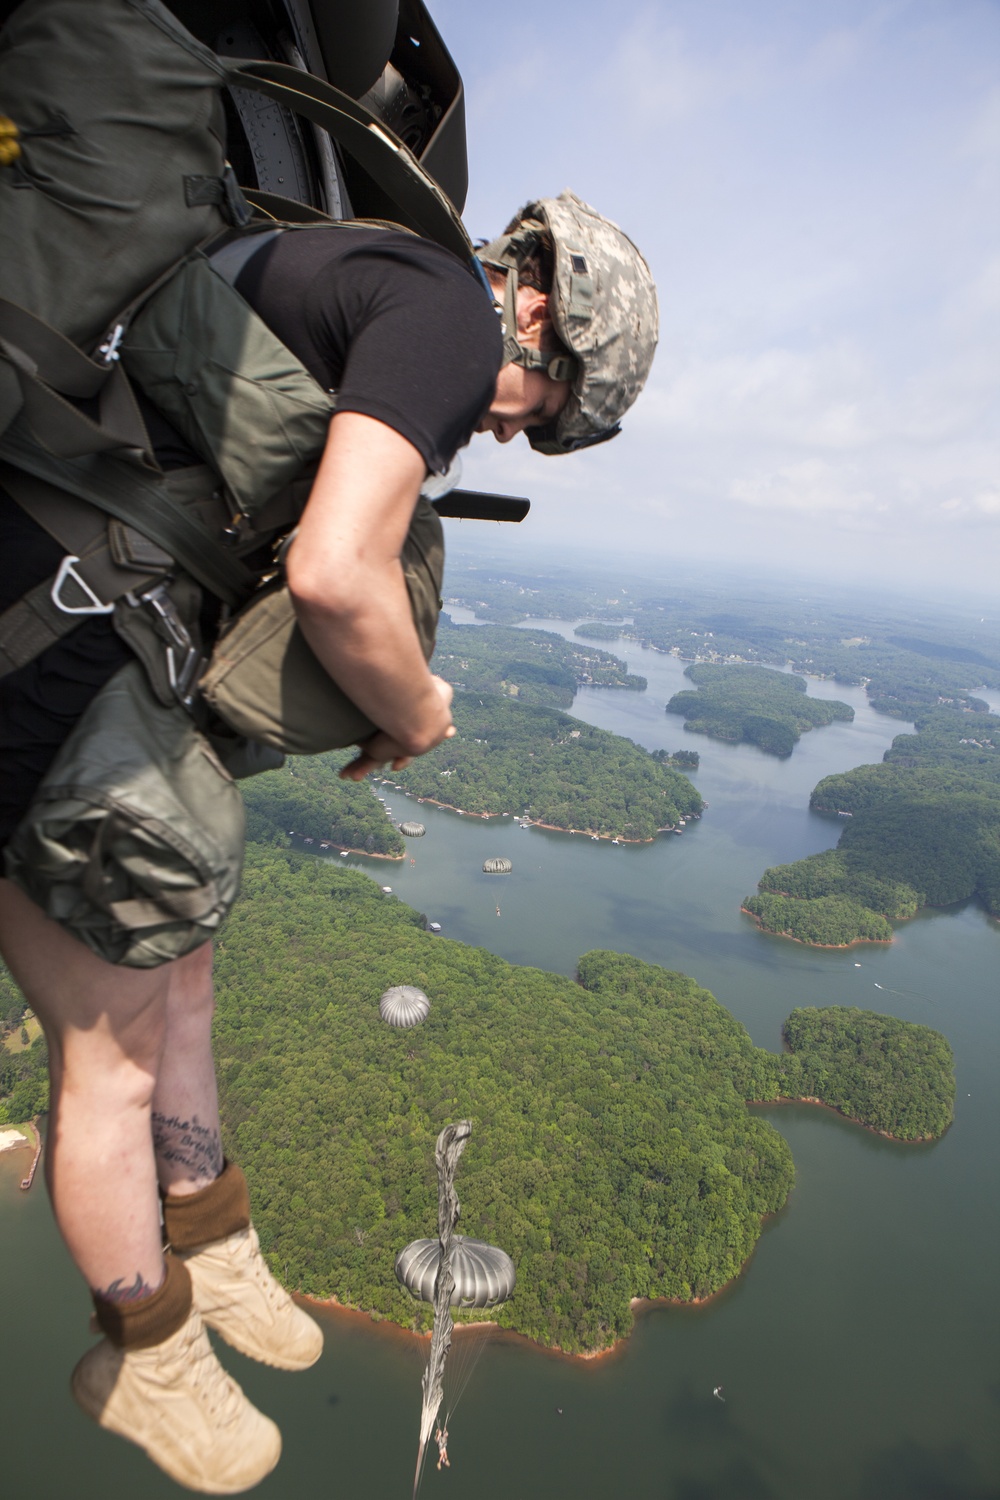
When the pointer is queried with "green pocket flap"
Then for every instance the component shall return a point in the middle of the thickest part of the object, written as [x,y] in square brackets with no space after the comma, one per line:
[228,385]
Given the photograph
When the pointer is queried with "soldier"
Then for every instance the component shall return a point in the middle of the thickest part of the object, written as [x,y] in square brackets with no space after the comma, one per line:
[420,361]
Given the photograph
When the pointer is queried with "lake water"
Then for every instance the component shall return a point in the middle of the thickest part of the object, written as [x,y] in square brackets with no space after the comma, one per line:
[858,1351]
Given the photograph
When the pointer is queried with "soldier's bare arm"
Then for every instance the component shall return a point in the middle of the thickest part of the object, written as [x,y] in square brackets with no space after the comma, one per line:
[346,579]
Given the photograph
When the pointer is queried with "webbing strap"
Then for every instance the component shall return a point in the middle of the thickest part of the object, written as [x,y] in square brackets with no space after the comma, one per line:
[419,201]
[285,210]
[141,499]
[36,620]
[50,368]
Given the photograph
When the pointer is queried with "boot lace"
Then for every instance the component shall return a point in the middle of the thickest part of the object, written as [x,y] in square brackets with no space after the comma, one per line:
[218,1394]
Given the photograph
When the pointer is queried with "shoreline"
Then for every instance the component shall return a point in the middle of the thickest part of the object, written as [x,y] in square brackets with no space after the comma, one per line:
[640,1306]
[29,1134]
[535,823]
[834,1109]
[789,938]
[346,849]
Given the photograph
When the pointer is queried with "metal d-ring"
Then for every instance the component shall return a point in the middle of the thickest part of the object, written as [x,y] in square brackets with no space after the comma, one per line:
[67,569]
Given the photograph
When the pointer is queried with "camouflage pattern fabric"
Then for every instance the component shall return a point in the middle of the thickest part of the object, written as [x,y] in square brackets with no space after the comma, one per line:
[603,306]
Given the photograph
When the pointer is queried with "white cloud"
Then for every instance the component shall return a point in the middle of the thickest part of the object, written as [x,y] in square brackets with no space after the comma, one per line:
[816,190]
[812,486]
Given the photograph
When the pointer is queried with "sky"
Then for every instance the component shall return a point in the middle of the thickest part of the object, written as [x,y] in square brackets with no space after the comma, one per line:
[816,187]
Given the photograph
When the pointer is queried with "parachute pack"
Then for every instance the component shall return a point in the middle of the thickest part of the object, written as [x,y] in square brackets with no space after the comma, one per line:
[114,186]
[115,195]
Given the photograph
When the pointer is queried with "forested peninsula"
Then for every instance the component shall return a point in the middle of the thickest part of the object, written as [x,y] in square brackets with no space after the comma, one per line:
[920,829]
[753,705]
[613,1154]
[307,799]
[864,1065]
[536,667]
[509,758]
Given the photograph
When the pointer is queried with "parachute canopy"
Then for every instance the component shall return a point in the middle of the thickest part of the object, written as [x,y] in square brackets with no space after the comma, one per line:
[404,1005]
[484,1275]
[497,866]
[412,830]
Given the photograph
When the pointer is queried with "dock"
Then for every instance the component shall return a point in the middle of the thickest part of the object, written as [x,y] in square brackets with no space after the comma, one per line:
[27,1181]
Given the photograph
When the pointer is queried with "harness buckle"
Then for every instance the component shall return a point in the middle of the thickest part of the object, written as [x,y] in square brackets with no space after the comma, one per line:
[67,570]
[184,660]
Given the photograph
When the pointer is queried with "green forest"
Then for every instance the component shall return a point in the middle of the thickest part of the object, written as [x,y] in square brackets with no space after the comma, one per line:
[613,1155]
[24,1078]
[922,828]
[864,1065]
[753,705]
[507,757]
[308,799]
[534,666]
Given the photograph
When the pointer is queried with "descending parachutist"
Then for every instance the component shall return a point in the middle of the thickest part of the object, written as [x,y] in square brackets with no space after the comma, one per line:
[717,1392]
[878,986]
[498,911]
[441,1438]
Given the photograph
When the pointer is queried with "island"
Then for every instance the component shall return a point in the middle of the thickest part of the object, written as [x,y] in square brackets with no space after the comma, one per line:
[922,828]
[753,705]
[594,630]
[567,775]
[536,667]
[614,1156]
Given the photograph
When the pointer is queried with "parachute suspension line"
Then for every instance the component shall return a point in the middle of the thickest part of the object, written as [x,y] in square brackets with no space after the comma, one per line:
[469,1348]
[450,1145]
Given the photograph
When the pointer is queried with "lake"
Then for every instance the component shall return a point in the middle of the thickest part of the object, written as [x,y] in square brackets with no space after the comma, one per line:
[858,1350]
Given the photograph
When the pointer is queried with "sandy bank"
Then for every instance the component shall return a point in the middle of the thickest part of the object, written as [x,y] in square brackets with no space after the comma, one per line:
[384,1327]
[11,1139]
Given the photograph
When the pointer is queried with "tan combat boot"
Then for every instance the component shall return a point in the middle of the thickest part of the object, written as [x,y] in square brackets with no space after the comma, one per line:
[172,1397]
[234,1290]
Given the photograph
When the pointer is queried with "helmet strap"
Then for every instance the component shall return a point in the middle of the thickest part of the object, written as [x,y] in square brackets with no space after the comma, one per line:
[555,366]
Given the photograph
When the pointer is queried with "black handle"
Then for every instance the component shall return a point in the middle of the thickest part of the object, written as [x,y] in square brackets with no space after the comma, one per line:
[474,505]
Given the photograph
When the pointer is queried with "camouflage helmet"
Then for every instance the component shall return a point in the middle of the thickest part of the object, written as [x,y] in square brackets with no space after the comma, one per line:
[603,308]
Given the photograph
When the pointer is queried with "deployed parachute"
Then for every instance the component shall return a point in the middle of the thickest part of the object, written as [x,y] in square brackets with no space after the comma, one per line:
[412,830]
[404,1005]
[499,866]
[449,1271]
[483,1274]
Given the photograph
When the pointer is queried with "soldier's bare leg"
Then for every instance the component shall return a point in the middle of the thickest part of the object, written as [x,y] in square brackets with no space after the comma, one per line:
[105,1026]
[185,1104]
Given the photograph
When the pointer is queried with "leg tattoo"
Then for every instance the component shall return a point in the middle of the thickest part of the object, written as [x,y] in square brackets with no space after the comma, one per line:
[189,1144]
[117,1292]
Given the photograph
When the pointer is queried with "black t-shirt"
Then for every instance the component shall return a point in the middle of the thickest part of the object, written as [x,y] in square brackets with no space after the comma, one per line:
[394,324]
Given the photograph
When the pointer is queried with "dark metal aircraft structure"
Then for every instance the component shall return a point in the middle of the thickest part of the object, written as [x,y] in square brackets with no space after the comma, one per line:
[385,53]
